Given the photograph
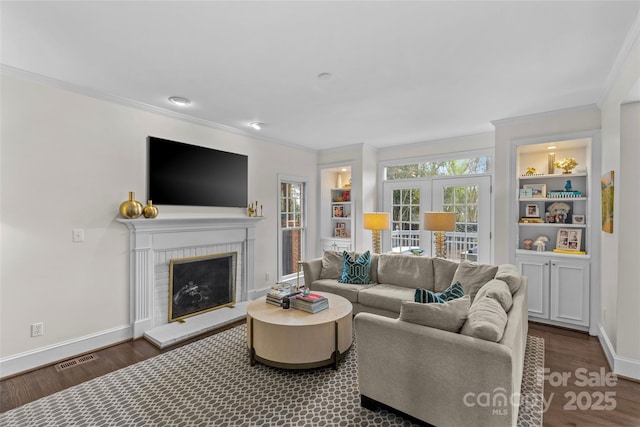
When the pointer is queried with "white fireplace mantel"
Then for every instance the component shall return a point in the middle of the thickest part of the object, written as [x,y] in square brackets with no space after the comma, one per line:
[152,242]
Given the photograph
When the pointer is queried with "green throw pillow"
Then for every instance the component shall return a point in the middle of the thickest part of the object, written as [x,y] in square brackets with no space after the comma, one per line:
[427,296]
[356,271]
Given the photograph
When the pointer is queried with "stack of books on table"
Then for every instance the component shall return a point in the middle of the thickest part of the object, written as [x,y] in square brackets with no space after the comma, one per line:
[311,303]
[279,293]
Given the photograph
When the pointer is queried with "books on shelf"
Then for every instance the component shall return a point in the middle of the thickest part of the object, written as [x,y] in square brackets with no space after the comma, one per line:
[563,194]
[530,220]
[564,251]
[311,303]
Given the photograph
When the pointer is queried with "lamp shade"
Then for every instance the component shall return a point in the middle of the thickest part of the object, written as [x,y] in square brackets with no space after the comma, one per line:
[376,221]
[440,221]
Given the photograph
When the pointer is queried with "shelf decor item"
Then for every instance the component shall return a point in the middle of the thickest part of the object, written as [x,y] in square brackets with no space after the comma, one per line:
[150,211]
[578,219]
[606,184]
[568,239]
[131,208]
[537,190]
[532,211]
[551,160]
[376,222]
[439,222]
[566,165]
[558,212]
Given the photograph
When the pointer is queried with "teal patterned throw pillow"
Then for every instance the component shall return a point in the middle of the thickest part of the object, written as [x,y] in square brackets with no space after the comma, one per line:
[356,271]
[452,292]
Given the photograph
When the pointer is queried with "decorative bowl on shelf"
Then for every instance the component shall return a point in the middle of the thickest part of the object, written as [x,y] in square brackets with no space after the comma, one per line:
[417,251]
[338,199]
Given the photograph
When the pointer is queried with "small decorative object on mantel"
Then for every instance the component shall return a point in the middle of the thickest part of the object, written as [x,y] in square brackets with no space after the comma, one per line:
[252,210]
[566,165]
[150,211]
[131,208]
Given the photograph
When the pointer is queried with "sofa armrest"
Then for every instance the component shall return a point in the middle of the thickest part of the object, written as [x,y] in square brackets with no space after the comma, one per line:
[311,270]
[434,375]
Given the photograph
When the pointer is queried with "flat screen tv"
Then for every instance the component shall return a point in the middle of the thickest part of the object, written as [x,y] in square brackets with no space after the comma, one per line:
[190,175]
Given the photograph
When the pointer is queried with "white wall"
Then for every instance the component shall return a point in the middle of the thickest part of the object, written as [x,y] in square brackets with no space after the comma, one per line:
[68,161]
[620,251]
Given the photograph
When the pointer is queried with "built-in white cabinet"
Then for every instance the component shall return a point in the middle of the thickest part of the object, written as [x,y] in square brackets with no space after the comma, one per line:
[554,215]
[558,289]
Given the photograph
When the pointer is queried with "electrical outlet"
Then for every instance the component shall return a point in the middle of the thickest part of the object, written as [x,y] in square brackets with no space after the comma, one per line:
[78,235]
[267,277]
[604,314]
[37,329]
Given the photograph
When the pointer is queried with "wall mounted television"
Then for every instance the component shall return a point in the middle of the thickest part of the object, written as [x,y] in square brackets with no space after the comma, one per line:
[189,175]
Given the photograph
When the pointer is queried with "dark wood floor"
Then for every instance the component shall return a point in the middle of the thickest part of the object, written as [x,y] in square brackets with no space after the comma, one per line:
[565,352]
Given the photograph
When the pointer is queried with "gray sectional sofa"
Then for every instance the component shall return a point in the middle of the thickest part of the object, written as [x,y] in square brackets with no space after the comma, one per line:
[435,362]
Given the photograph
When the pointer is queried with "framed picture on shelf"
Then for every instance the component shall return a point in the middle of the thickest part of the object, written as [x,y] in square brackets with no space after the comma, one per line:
[341,225]
[532,211]
[343,232]
[578,219]
[337,232]
[526,193]
[558,212]
[338,211]
[537,190]
[568,239]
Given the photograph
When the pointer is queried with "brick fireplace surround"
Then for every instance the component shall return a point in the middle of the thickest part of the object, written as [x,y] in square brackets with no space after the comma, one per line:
[154,242]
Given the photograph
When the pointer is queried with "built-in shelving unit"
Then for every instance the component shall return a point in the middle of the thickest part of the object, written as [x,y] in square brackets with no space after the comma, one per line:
[337,210]
[556,208]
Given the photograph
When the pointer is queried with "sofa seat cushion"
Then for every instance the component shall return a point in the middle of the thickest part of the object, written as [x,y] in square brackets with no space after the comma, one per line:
[346,290]
[448,316]
[472,276]
[387,297]
[487,320]
[406,270]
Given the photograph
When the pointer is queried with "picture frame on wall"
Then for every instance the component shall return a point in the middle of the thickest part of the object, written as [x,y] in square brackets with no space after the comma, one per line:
[537,190]
[569,239]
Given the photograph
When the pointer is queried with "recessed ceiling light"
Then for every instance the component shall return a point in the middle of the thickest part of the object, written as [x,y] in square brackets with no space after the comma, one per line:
[325,76]
[551,147]
[180,101]
[256,125]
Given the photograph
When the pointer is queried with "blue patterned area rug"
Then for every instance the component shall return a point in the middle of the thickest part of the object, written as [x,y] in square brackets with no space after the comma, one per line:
[210,383]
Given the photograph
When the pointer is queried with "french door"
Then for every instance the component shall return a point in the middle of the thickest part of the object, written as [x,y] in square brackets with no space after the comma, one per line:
[468,197]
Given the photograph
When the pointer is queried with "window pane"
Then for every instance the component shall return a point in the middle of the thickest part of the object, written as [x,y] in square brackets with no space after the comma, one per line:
[291,251]
[471,166]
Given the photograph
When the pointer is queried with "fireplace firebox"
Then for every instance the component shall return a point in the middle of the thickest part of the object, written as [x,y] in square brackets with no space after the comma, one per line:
[200,284]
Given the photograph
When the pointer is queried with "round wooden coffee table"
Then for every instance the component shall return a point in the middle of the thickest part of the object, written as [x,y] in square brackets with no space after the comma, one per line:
[295,339]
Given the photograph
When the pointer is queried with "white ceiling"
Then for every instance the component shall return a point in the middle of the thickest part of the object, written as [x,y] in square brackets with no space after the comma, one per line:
[403,72]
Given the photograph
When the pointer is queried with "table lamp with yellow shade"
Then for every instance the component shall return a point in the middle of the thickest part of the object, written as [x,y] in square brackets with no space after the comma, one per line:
[376,222]
[439,222]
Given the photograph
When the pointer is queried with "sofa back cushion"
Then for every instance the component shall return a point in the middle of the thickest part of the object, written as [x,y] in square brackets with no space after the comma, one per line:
[487,320]
[406,270]
[472,276]
[499,291]
[331,265]
[510,274]
[443,272]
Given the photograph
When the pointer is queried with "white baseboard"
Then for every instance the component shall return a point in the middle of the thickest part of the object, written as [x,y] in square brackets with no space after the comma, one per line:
[44,356]
[620,365]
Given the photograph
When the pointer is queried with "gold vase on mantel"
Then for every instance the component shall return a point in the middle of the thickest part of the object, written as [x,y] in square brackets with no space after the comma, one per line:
[150,211]
[131,208]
